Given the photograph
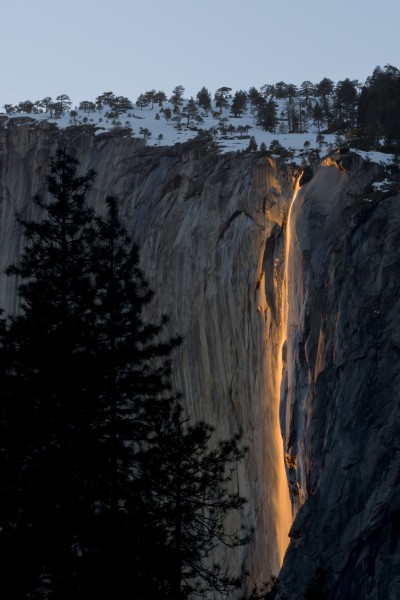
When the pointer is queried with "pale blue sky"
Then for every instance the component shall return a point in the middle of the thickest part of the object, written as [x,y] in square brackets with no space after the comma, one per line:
[86,47]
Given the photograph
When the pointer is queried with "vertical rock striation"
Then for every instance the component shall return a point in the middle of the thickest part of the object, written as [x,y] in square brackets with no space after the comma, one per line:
[210,232]
[341,411]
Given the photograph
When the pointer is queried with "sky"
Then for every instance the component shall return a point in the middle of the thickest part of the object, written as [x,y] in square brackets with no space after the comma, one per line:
[86,47]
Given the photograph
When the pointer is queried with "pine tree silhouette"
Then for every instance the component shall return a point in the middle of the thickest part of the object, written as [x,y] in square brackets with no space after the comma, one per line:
[107,491]
[86,382]
[193,502]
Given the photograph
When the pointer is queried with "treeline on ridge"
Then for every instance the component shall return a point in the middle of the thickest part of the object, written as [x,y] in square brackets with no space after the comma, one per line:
[365,115]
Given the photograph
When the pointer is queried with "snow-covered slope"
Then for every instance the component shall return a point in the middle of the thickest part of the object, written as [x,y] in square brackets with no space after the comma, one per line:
[168,132]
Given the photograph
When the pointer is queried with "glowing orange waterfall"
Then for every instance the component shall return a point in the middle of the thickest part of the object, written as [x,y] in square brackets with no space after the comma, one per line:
[283,504]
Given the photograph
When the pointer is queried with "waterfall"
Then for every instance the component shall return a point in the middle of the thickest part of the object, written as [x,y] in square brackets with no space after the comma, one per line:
[283,506]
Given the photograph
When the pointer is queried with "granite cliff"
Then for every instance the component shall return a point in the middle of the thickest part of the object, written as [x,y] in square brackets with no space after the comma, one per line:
[340,396]
[212,236]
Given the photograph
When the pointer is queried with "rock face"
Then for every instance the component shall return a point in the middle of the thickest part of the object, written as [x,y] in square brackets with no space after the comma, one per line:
[211,232]
[341,390]
[209,229]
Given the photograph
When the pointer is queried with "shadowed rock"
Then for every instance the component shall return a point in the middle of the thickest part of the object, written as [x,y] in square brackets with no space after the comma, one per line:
[307,175]
[211,232]
[341,392]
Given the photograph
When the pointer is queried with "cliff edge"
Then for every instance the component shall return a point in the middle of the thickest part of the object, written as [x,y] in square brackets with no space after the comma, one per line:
[212,235]
[210,232]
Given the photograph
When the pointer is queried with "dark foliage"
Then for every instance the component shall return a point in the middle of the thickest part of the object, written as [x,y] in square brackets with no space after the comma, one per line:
[192,501]
[379,106]
[317,589]
[89,430]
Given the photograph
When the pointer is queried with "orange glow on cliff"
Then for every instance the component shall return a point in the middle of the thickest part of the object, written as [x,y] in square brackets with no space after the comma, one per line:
[283,506]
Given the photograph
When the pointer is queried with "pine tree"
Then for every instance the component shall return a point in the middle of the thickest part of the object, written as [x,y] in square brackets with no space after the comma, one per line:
[177,96]
[318,115]
[263,149]
[160,97]
[120,105]
[190,111]
[194,496]
[254,97]
[145,132]
[239,103]
[266,115]
[150,97]
[105,99]
[42,399]
[221,98]
[65,103]
[378,107]
[87,106]
[99,474]
[142,101]
[134,395]
[204,99]
[252,147]
[85,387]
[346,99]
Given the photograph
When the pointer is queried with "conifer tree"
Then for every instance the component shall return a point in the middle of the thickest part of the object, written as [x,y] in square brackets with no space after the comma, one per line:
[106,491]
[134,401]
[160,97]
[193,499]
[204,99]
[266,115]
[221,98]
[252,147]
[190,111]
[239,103]
[44,397]
[80,401]
[254,97]
[177,96]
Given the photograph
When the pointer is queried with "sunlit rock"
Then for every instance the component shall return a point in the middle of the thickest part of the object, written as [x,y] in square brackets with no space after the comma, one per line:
[315,327]
[210,232]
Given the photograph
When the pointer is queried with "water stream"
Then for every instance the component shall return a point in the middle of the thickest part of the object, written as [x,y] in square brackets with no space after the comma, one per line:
[283,506]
